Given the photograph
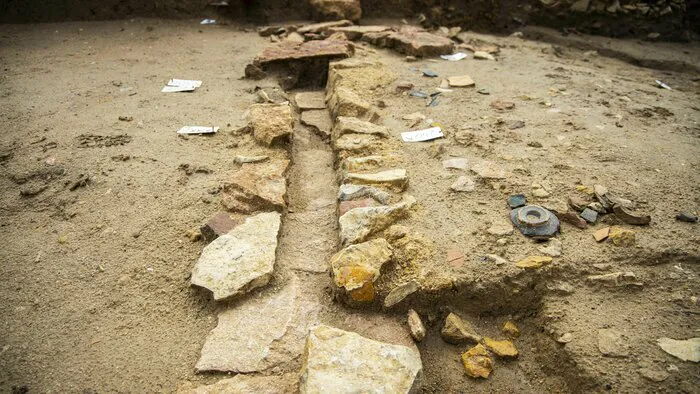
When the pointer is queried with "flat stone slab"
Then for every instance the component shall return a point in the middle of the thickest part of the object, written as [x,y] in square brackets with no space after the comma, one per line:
[260,333]
[337,361]
[320,120]
[315,49]
[356,32]
[323,26]
[310,100]
[417,42]
[257,186]
[241,259]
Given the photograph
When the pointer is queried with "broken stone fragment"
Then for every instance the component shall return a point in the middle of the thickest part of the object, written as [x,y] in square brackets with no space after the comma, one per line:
[463,184]
[240,260]
[345,206]
[356,268]
[259,333]
[345,102]
[539,190]
[610,343]
[359,223]
[217,226]
[489,170]
[458,163]
[573,219]
[601,234]
[242,383]
[323,27]
[348,125]
[553,248]
[415,325]
[686,217]
[257,186]
[577,203]
[271,123]
[533,262]
[686,350]
[631,217]
[358,144]
[461,81]
[616,279]
[310,50]
[413,41]
[249,159]
[395,179]
[310,100]
[477,362]
[336,9]
[349,192]
[400,292]
[353,164]
[331,360]
[622,237]
[504,349]
[500,229]
[565,338]
[320,121]
[356,32]
[589,215]
[483,55]
[502,105]
[510,329]
[457,331]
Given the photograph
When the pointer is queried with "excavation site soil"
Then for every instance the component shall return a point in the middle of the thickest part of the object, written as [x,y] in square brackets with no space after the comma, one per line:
[396,266]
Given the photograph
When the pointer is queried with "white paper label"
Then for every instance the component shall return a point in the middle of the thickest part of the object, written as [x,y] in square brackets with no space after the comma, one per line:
[454,57]
[422,135]
[198,130]
[181,85]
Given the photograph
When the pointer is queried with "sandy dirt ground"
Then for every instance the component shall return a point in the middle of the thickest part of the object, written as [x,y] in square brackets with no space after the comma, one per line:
[96,213]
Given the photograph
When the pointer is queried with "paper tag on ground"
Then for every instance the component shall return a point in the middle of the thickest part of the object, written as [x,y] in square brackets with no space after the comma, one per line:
[198,130]
[181,85]
[208,22]
[454,57]
[422,135]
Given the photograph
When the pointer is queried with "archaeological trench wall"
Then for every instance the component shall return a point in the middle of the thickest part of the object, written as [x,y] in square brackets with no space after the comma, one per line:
[670,19]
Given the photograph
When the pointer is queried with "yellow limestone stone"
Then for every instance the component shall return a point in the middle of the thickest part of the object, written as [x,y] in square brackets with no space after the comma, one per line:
[477,362]
[511,329]
[621,236]
[533,262]
[501,348]
[357,267]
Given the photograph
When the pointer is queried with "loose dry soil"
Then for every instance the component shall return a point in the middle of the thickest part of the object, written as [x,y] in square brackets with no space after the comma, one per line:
[96,213]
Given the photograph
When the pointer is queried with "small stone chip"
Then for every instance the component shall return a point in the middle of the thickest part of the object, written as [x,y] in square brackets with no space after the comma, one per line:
[602,234]
[505,349]
[461,81]
[415,324]
[511,329]
[477,362]
[533,262]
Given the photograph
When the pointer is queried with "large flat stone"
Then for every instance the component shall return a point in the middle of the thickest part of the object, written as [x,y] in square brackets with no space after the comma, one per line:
[260,333]
[271,123]
[355,269]
[359,223]
[320,120]
[309,50]
[337,361]
[310,100]
[413,41]
[257,186]
[240,260]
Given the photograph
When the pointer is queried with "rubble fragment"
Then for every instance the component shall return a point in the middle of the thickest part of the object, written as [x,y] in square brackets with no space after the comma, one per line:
[477,362]
[457,331]
[686,217]
[415,325]
[395,179]
[504,349]
[271,123]
[601,234]
[510,329]
[630,217]
[240,260]
[331,357]
[257,186]
[355,268]
[533,262]
[400,292]
[359,223]
[622,237]
[686,350]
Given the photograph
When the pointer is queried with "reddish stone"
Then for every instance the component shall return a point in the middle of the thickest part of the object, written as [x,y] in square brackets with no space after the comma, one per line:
[219,225]
[573,219]
[455,258]
[348,205]
[417,42]
[290,51]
